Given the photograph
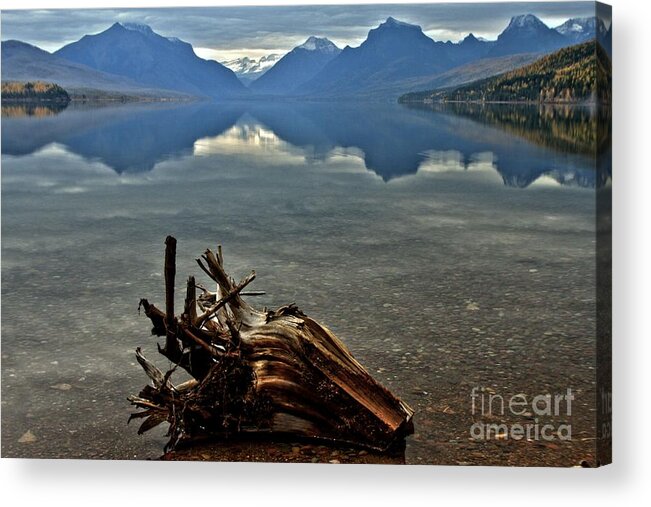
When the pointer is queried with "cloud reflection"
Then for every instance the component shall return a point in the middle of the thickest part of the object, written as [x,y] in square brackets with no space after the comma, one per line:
[389,140]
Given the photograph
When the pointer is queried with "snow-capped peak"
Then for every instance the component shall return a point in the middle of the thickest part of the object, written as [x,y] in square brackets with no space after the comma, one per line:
[320,44]
[580,29]
[137,27]
[525,21]
[576,25]
[246,65]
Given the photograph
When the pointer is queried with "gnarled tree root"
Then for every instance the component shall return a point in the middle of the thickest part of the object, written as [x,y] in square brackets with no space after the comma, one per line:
[258,371]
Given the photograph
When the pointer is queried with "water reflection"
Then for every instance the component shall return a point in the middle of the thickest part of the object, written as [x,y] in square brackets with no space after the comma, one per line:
[521,143]
[38,109]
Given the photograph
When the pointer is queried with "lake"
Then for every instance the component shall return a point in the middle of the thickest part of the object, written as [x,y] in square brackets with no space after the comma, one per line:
[450,248]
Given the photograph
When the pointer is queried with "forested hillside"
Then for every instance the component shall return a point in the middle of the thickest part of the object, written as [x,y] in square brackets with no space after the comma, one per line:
[575,74]
[33,91]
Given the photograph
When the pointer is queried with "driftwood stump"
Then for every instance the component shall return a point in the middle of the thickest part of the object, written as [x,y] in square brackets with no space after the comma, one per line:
[278,371]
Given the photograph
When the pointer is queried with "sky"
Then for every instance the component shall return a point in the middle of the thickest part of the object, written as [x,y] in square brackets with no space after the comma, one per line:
[225,33]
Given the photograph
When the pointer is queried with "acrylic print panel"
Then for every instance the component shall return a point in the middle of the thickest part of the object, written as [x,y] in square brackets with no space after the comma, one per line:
[422,190]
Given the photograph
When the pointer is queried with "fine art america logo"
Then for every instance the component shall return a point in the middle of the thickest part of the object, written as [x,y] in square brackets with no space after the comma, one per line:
[541,410]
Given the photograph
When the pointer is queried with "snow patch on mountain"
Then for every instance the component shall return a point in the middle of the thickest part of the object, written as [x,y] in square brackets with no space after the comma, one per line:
[576,25]
[247,66]
[525,21]
[320,44]
[137,27]
[581,29]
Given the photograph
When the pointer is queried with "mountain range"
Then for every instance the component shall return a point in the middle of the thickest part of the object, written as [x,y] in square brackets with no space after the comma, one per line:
[526,34]
[580,30]
[297,67]
[249,69]
[138,53]
[24,62]
[392,51]
[396,57]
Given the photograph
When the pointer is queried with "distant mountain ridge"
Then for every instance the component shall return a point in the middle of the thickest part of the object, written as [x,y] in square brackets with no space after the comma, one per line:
[395,58]
[582,29]
[396,54]
[249,69]
[320,45]
[24,62]
[527,34]
[394,50]
[296,67]
[135,51]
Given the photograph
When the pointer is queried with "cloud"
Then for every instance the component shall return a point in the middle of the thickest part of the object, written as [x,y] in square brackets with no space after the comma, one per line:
[268,29]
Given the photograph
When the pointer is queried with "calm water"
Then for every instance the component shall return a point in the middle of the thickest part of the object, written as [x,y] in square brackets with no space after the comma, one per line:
[448,248]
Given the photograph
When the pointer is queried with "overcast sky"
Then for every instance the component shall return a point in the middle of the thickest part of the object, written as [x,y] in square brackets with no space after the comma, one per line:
[223,33]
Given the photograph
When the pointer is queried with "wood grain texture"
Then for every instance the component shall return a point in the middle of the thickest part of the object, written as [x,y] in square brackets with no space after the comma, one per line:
[259,371]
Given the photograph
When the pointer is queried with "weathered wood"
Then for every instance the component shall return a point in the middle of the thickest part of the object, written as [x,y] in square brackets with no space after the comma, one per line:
[260,371]
[171,343]
[201,320]
[190,308]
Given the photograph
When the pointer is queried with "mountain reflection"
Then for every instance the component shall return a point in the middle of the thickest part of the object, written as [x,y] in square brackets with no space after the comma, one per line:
[562,128]
[523,143]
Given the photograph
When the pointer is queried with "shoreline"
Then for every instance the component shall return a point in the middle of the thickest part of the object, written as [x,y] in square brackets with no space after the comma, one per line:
[508,102]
